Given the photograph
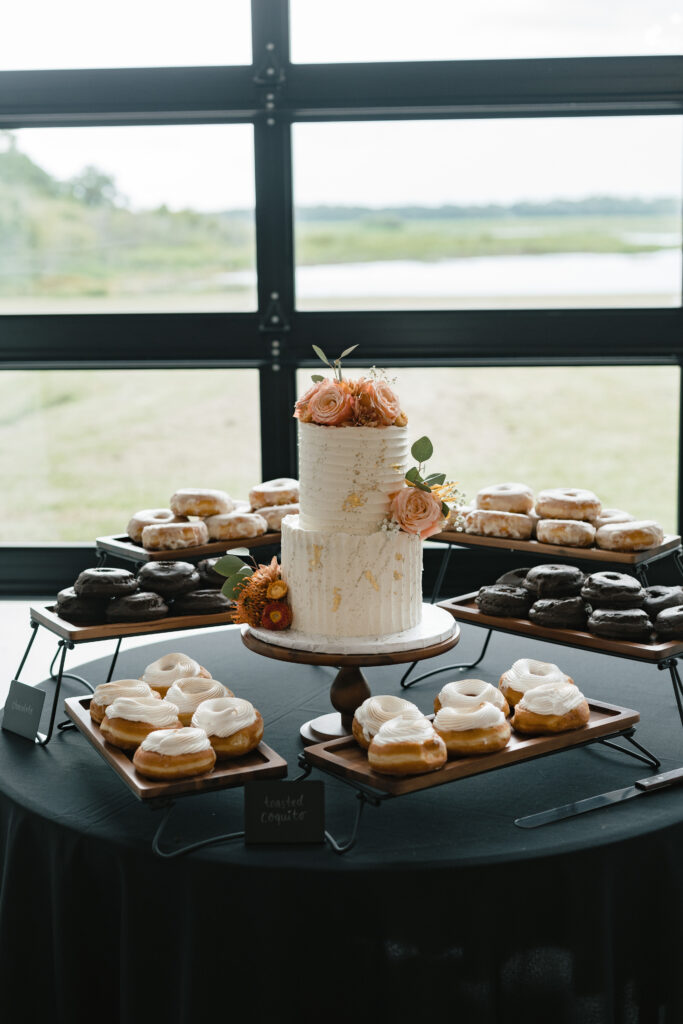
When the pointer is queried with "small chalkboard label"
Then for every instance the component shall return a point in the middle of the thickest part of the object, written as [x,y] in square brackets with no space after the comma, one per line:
[284,812]
[23,709]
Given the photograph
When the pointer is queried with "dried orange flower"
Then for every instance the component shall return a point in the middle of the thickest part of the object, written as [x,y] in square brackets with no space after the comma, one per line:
[276,590]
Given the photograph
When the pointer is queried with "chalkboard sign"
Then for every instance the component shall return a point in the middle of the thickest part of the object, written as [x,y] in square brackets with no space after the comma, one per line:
[23,709]
[284,812]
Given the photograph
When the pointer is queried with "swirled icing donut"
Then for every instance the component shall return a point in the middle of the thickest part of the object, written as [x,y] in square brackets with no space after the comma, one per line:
[188,694]
[639,535]
[282,491]
[466,694]
[573,533]
[375,711]
[481,730]
[407,746]
[612,515]
[525,674]
[127,720]
[233,725]
[274,514]
[106,693]
[192,501]
[486,523]
[174,754]
[150,517]
[169,667]
[175,536]
[506,498]
[568,503]
[551,708]
[234,525]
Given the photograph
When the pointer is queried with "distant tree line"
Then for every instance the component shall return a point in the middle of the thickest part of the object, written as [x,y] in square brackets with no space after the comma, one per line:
[591,205]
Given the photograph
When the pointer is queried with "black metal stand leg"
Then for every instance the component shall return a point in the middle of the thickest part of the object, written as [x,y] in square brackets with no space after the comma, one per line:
[344,846]
[641,573]
[28,649]
[672,665]
[446,668]
[678,560]
[40,739]
[181,850]
[101,559]
[438,583]
[645,755]
[68,675]
[113,660]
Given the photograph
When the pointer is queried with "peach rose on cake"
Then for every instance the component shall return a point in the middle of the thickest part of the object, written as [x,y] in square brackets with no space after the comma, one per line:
[418,511]
[376,404]
[331,404]
[301,409]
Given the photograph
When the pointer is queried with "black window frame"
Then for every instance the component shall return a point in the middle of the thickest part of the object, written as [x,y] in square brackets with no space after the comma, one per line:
[271,94]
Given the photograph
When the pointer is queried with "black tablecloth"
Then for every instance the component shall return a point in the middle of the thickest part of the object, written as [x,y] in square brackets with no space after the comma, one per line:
[444,908]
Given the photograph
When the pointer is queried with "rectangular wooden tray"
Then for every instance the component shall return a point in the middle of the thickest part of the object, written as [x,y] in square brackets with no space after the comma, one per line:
[345,758]
[261,763]
[123,547]
[464,609]
[534,547]
[47,616]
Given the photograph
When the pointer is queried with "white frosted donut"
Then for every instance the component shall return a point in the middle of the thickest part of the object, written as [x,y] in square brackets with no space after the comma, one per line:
[169,667]
[638,535]
[283,491]
[188,694]
[612,515]
[510,497]
[526,673]
[150,517]
[466,694]
[572,532]
[274,514]
[375,711]
[175,536]
[487,523]
[235,524]
[568,503]
[189,501]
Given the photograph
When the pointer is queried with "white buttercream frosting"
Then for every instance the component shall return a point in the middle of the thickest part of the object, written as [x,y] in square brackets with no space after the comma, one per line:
[188,694]
[551,699]
[173,742]
[486,716]
[224,716]
[526,674]
[469,693]
[105,693]
[169,667]
[375,711]
[143,709]
[405,729]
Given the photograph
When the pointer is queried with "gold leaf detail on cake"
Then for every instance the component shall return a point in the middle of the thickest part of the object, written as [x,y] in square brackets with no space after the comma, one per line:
[398,556]
[398,467]
[371,579]
[314,562]
[398,575]
[354,500]
[336,594]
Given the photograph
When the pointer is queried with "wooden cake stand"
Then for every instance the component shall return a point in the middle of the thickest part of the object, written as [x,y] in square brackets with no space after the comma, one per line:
[350,687]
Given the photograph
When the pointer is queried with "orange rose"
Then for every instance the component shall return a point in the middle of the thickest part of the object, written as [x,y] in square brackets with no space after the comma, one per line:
[301,409]
[418,512]
[331,404]
[386,403]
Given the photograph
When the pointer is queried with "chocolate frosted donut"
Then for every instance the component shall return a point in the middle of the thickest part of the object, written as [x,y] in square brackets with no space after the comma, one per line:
[202,602]
[555,580]
[620,624]
[669,623]
[105,582]
[560,612]
[140,607]
[170,579]
[612,590]
[81,609]
[505,600]
[209,579]
[659,598]
[515,577]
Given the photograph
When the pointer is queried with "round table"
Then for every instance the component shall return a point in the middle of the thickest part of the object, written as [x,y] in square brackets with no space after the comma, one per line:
[442,907]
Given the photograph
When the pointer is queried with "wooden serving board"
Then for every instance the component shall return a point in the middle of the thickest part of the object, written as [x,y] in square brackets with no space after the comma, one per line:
[534,547]
[465,609]
[123,547]
[261,763]
[47,616]
[345,758]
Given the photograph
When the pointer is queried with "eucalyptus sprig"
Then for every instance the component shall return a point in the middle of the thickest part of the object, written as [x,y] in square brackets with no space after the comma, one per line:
[335,366]
[422,450]
[236,570]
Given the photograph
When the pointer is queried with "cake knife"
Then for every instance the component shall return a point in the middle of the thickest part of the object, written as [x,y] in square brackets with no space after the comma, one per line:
[616,796]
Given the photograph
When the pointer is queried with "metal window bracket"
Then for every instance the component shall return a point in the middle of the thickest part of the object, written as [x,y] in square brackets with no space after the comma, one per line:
[274,319]
[271,71]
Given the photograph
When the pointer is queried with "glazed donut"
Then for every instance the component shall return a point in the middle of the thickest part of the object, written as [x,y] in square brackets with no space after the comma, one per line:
[188,694]
[234,525]
[481,730]
[169,667]
[274,514]
[283,491]
[551,708]
[621,624]
[613,590]
[525,674]
[612,515]
[374,712]
[81,609]
[486,523]
[175,536]
[143,606]
[105,582]
[233,725]
[568,503]
[466,694]
[189,501]
[638,535]
[554,580]
[504,600]
[150,517]
[573,533]
[106,693]
[506,498]
[169,579]
[174,754]
[407,746]
[127,720]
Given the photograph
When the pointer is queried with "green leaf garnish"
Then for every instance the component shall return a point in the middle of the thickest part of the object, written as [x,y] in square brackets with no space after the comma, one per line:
[413,475]
[445,509]
[317,377]
[321,355]
[435,479]
[347,352]
[232,586]
[422,487]
[422,450]
[228,565]
[241,552]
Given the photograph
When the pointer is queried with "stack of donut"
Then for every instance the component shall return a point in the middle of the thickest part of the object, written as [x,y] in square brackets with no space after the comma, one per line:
[570,517]
[608,604]
[199,515]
